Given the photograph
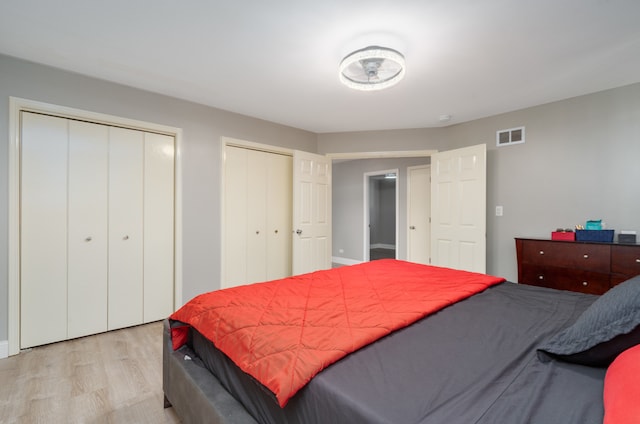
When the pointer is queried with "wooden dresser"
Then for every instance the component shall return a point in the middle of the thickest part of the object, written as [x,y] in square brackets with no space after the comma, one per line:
[577,266]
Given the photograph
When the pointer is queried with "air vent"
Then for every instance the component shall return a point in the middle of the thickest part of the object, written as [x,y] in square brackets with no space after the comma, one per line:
[510,136]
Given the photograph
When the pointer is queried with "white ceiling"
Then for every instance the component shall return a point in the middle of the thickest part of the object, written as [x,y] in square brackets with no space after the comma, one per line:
[277,60]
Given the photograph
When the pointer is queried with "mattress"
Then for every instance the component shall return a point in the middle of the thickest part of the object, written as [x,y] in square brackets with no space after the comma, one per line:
[472,362]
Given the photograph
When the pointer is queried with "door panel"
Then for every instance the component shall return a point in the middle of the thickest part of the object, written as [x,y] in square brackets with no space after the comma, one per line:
[126,191]
[458,208]
[256,253]
[419,210]
[279,214]
[311,212]
[235,217]
[43,230]
[87,261]
[158,226]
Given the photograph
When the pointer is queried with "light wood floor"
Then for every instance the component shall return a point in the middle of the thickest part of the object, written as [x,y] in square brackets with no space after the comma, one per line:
[115,377]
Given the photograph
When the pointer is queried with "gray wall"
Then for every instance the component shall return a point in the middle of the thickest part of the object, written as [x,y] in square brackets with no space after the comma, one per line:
[348,204]
[201,155]
[580,161]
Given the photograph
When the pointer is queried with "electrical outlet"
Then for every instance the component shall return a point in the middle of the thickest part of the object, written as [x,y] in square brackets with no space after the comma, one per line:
[499,211]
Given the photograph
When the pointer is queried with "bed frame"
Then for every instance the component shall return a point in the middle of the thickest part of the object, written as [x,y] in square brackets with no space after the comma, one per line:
[196,395]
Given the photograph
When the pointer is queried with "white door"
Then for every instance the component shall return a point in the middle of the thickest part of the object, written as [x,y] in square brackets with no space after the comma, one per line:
[235,217]
[418,214]
[43,229]
[458,208]
[96,228]
[256,194]
[257,216]
[88,228]
[126,188]
[279,211]
[159,169]
[311,212]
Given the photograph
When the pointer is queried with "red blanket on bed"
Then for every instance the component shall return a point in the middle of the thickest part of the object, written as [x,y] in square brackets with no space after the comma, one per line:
[284,332]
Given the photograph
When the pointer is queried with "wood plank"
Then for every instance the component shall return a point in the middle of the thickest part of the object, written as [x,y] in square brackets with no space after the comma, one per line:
[113,377]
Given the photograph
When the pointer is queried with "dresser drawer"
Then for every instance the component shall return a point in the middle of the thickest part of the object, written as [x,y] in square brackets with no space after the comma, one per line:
[590,257]
[625,260]
[565,279]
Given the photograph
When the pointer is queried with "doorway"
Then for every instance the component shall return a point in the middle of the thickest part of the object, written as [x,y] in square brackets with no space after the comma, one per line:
[381,214]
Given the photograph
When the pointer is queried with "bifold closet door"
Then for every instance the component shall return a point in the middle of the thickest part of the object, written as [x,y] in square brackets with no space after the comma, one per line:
[158,282]
[43,232]
[126,172]
[235,217]
[258,210]
[96,228]
[88,231]
[256,192]
[279,211]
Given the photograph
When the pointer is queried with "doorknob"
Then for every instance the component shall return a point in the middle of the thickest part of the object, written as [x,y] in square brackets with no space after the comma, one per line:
[413,227]
[88,239]
[298,232]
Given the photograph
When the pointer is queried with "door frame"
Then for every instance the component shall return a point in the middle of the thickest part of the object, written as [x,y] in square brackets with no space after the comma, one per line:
[17,105]
[391,154]
[367,213]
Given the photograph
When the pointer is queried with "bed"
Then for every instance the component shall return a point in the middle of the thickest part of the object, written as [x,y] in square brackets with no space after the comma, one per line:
[503,352]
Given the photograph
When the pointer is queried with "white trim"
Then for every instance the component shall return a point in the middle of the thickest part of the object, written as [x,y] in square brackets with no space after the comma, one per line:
[4,349]
[13,264]
[366,238]
[228,141]
[381,155]
[344,261]
[16,105]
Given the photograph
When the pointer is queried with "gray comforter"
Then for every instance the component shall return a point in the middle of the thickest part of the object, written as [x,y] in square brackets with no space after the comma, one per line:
[473,362]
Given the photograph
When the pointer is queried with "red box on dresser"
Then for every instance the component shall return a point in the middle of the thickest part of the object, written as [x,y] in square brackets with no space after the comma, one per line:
[563,235]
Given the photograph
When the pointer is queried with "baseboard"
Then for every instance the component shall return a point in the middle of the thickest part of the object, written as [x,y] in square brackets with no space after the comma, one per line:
[4,349]
[383,246]
[344,261]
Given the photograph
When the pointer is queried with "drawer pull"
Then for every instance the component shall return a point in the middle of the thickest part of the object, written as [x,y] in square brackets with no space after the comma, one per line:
[638,261]
[542,252]
[586,256]
[584,283]
[540,277]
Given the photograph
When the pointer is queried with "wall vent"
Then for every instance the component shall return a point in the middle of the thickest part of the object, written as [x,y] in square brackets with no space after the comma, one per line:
[510,136]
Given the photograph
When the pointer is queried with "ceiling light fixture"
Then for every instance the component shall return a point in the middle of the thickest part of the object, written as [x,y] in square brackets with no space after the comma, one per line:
[372,68]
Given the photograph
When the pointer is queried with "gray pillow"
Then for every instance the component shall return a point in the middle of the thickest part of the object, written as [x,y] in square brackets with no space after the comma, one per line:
[605,329]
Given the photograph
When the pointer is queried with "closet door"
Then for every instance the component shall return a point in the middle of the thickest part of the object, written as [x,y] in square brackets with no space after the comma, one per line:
[257,216]
[126,160]
[87,217]
[158,226]
[235,217]
[257,167]
[279,209]
[43,230]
